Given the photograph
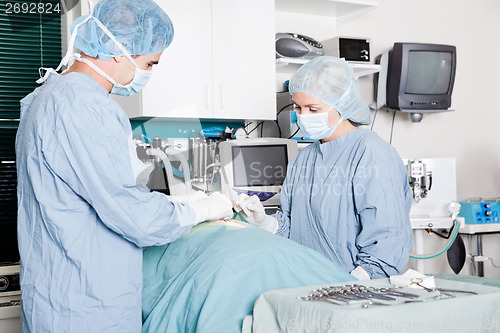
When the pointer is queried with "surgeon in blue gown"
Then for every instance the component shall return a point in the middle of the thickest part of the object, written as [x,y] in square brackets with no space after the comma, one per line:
[345,195]
[83,218]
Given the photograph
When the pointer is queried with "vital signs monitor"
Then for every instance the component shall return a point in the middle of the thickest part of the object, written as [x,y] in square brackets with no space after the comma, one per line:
[255,167]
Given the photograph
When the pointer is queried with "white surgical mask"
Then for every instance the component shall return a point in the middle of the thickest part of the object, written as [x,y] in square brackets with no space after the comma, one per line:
[140,80]
[141,76]
[315,126]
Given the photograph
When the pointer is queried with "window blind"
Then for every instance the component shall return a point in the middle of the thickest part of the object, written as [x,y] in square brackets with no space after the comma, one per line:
[29,39]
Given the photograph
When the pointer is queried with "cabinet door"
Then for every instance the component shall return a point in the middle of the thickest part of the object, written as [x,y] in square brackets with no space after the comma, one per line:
[181,85]
[244,59]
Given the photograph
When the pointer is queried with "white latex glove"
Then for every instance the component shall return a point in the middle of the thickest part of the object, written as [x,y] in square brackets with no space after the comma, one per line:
[250,208]
[253,212]
[360,273]
[214,207]
[193,196]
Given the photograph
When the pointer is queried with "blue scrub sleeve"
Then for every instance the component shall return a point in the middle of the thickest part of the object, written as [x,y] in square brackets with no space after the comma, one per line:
[95,165]
[382,201]
[283,216]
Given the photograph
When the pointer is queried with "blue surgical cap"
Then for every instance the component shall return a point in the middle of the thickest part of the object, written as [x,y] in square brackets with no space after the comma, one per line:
[140,25]
[331,80]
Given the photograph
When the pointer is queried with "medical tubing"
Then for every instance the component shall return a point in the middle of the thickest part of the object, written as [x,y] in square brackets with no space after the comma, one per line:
[166,162]
[185,170]
[455,229]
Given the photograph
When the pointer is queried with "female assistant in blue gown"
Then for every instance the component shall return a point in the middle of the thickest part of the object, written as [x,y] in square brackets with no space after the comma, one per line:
[345,195]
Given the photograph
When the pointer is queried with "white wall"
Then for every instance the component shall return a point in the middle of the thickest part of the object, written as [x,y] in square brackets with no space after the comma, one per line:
[470,133]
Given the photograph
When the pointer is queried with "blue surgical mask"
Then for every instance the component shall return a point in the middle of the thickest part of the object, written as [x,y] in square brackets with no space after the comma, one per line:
[315,126]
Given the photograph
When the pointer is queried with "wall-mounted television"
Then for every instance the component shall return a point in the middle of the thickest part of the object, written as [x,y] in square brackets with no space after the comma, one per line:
[420,77]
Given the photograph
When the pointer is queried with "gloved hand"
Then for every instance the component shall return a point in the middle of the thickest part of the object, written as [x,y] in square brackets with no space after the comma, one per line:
[250,208]
[193,196]
[215,206]
[253,212]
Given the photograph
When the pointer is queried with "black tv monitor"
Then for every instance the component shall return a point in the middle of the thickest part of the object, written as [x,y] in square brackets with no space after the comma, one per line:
[420,77]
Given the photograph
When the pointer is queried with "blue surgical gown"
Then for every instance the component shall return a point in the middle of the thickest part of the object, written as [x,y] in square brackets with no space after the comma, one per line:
[349,199]
[82,220]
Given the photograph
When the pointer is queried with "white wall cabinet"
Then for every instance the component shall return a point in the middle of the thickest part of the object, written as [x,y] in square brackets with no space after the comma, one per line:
[340,10]
[220,65]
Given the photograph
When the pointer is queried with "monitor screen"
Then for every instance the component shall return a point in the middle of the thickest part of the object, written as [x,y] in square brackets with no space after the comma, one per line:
[429,72]
[259,165]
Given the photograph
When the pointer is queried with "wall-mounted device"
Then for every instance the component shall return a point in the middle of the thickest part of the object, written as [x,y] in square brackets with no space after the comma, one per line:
[419,179]
[421,76]
[292,45]
[255,166]
[418,78]
[351,49]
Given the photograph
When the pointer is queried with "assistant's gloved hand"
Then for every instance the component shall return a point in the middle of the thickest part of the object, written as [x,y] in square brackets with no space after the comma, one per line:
[215,206]
[253,212]
[193,196]
[250,207]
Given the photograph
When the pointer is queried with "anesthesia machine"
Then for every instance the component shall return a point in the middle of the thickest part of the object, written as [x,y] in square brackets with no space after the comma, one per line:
[214,162]
[433,182]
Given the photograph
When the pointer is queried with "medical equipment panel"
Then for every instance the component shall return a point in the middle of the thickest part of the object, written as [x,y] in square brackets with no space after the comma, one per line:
[481,212]
[255,167]
[9,280]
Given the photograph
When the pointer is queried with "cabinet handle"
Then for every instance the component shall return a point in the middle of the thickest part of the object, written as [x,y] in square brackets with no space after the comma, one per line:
[221,96]
[207,105]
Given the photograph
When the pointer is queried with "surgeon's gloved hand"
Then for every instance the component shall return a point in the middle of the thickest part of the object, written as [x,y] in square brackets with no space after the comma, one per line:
[214,207]
[253,212]
[193,196]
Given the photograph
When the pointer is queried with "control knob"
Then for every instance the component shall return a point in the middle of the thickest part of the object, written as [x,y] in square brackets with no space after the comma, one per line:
[4,283]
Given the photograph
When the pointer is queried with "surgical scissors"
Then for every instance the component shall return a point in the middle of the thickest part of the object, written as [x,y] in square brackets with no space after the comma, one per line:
[418,282]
